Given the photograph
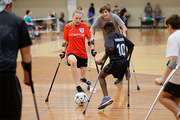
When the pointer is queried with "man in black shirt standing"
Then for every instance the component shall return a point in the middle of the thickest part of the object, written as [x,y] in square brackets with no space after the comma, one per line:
[123,14]
[115,48]
[13,36]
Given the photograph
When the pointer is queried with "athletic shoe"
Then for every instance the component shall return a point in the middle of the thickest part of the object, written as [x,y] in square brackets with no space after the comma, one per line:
[118,81]
[79,89]
[86,81]
[178,115]
[105,102]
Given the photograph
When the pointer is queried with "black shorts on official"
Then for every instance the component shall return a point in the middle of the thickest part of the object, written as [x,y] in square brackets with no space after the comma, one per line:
[10,97]
[81,62]
[116,67]
[173,89]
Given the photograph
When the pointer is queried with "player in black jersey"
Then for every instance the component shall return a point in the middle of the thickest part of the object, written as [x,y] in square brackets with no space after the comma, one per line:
[115,48]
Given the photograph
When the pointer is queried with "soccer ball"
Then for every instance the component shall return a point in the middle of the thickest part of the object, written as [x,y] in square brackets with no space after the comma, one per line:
[81,98]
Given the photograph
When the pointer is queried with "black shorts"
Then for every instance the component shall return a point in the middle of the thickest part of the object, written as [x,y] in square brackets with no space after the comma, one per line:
[116,67]
[81,62]
[173,89]
[10,97]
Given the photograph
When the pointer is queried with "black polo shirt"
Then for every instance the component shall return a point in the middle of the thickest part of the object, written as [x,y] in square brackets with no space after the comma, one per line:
[13,36]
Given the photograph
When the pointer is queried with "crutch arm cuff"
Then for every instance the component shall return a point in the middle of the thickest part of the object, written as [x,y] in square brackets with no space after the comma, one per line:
[62,55]
[171,64]
[91,42]
[27,67]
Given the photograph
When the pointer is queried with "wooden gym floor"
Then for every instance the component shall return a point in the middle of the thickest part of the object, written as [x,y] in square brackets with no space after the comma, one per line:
[149,63]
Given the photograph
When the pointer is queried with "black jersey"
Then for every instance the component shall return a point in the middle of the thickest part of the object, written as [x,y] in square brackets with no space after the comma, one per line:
[119,43]
[13,36]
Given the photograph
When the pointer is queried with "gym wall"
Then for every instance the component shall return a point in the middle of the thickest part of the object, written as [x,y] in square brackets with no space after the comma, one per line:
[134,7]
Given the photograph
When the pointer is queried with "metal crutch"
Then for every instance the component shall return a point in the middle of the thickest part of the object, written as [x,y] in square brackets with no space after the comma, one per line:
[88,87]
[84,112]
[138,88]
[168,78]
[46,100]
[128,78]
[28,69]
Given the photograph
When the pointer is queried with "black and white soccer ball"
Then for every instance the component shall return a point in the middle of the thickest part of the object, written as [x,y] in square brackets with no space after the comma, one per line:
[81,98]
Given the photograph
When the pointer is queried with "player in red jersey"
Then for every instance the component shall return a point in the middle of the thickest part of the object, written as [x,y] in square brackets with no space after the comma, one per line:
[74,47]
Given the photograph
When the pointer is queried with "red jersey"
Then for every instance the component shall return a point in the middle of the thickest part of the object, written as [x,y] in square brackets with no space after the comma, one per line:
[76,39]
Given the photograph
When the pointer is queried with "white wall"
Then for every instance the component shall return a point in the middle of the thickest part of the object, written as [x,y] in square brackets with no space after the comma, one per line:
[134,7]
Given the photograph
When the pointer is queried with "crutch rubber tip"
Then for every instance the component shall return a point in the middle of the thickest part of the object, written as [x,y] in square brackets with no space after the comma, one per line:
[84,112]
[46,100]
[138,88]
[128,105]
[88,87]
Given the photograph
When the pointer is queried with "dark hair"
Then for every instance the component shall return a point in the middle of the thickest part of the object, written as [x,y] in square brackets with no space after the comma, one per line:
[104,8]
[27,12]
[109,26]
[174,21]
[92,4]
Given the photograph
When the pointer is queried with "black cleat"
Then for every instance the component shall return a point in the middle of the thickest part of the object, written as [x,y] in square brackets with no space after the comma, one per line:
[79,89]
[86,81]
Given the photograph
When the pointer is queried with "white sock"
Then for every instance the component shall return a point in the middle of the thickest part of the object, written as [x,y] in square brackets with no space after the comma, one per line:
[36,32]
[106,96]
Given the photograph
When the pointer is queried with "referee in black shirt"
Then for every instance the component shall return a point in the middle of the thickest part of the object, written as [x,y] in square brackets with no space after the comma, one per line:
[13,36]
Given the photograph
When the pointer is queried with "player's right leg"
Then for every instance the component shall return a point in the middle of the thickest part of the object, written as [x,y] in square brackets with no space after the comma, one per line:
[170,101]
[106,100]
[83,73]
[74,70]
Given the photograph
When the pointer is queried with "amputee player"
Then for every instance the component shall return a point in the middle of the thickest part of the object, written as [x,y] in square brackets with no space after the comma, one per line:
[75,34]
[170,97]
[115,48]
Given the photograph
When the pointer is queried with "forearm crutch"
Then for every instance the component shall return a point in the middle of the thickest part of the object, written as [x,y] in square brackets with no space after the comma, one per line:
[88,87]
[96,64]
[84,112]
[168,78]
[138,88]
[46,100]
[128,78]
[27,67]
[34,98]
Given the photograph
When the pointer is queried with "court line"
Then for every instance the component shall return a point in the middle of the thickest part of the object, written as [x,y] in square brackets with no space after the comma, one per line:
[73,107]
[53,106]
[106,108]
[56,104]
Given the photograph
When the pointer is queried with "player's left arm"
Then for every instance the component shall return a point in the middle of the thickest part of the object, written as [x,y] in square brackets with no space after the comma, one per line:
[121,24]
[26,62]
[124,30]
[168,70]
[107,53]
[129,45]
[91,41]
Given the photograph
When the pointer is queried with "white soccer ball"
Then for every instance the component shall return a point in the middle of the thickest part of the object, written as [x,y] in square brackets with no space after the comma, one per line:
[81,98]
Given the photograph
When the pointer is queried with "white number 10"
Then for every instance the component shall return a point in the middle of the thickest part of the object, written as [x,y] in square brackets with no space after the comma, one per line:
[121,49]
